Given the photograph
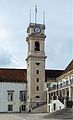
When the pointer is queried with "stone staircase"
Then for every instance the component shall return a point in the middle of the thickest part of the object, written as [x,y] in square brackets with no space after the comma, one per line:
[43,103]
[66,113]
[42,108]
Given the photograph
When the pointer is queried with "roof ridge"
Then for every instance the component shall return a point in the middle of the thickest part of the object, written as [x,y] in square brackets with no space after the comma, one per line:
[69,67]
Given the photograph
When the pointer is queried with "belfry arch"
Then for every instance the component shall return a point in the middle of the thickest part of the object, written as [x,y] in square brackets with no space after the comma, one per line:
[37,46]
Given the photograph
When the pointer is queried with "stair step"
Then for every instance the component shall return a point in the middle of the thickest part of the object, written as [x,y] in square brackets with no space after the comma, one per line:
[66,113]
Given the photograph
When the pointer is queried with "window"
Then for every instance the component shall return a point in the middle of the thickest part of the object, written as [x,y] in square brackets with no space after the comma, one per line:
[37,80]
[60,85]
[10,107]
[22,96]
[23,107]
[38,104]
[37,71]
[10,96]
[37,88]
[37,96]
[37,63]
[66,82]
[37,46]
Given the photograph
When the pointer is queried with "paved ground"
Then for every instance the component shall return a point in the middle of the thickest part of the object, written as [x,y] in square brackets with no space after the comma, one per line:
[65,114]
[22,116]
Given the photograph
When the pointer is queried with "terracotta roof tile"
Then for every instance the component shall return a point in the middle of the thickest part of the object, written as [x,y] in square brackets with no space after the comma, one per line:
[20,75]
[13,75]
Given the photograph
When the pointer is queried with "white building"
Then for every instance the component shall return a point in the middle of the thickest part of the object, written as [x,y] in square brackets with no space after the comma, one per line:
[60,91]
[12,90]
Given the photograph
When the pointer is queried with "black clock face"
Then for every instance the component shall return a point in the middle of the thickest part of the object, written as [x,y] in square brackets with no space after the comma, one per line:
[37,30]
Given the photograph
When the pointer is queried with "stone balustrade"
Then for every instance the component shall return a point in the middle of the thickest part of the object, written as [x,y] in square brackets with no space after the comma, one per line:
[61,85]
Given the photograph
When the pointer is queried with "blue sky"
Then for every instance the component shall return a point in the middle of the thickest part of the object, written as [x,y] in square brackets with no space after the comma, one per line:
[14,20]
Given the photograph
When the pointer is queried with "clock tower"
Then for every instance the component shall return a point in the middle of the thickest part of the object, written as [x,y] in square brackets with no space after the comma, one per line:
[35,66]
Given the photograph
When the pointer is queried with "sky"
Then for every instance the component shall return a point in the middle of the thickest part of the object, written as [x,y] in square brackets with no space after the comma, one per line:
[14,20]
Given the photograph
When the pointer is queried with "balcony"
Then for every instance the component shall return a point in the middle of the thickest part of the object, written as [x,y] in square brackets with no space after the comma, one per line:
[60,85]
[52,88]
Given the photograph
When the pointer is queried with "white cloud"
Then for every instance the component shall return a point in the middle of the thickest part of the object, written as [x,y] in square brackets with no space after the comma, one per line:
[6,59]
[4,34]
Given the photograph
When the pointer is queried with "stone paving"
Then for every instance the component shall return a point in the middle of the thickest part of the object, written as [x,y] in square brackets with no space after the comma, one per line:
[22,116]
[65,114]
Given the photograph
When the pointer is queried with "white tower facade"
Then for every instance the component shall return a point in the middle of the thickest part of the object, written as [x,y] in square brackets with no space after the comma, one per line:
[35,65]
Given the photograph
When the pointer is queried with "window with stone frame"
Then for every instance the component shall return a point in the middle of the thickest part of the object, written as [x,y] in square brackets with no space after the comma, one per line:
[22,95]
[10,95]
[23,107]
[10,107]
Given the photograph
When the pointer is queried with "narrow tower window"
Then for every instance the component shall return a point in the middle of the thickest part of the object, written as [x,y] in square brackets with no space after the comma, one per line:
[37,72]
[37,88]
[37,46]
[37,80]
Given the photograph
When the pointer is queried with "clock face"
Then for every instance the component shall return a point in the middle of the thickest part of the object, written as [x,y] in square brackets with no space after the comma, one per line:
[37,29]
